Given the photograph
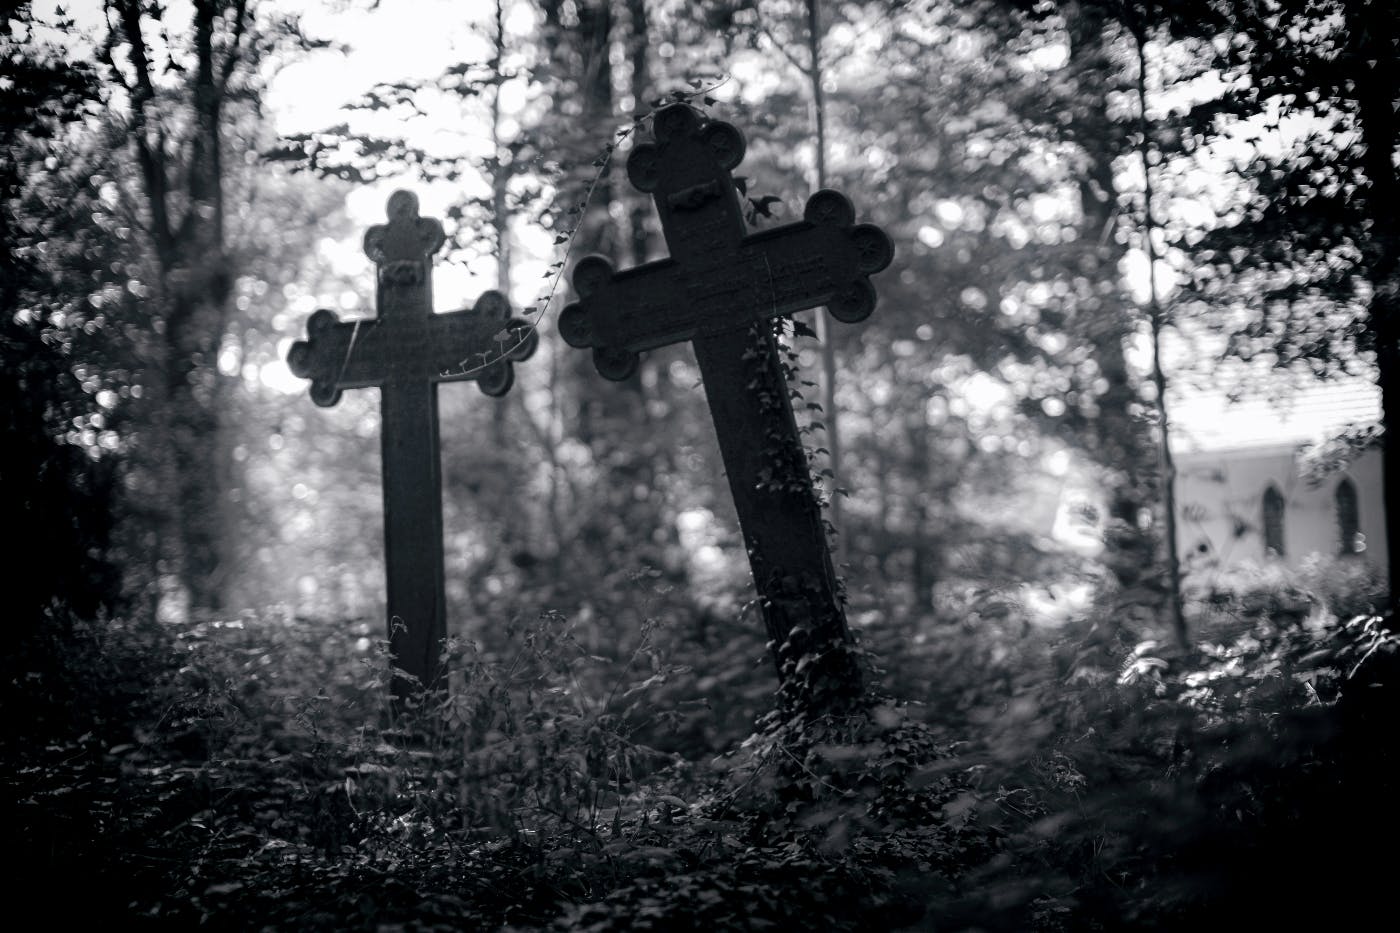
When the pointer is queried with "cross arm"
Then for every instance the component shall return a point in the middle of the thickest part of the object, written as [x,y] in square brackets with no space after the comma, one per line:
[825,259]
[479,344]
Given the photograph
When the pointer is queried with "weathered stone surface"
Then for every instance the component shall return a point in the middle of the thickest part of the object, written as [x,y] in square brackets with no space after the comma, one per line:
[715,290]
[406,351]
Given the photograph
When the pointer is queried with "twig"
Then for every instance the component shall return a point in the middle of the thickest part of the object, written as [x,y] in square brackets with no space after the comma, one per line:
[603,162]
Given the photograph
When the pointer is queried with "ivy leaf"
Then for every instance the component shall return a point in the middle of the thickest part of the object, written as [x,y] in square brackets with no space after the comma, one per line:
[764,206]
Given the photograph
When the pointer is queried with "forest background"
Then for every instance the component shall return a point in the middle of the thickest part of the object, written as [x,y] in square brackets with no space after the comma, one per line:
[1092,203]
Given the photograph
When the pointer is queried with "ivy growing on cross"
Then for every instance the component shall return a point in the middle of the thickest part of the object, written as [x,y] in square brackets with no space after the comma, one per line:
[717,289]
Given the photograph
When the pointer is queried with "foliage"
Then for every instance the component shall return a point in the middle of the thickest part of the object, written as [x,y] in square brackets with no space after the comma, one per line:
[55,498]
[1335,453]
[1329,587]
[607,753]
[258,782]
[249,774]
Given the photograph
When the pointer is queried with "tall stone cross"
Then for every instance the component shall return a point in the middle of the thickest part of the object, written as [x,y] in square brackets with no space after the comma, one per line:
[715,290]
[406,351]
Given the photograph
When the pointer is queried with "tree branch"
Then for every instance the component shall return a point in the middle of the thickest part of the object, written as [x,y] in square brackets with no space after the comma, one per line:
[204,169]
[792,60]
[143,92]
[240,22]
[107,53]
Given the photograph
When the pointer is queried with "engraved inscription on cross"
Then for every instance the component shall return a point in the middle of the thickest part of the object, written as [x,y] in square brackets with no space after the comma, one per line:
[716,285]
[406,351]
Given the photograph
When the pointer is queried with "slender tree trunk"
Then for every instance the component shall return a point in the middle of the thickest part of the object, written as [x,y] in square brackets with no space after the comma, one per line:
[1375,32]
[881,535]
[1159,378]
[196,280]
[554,499]
[924,551]
[1117,439]
[596,232]
[613,418]
[198,320]
[500,170]
[830,415]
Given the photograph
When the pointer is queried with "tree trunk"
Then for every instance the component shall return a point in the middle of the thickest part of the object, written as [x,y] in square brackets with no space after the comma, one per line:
[196,279]
[1167,471]
[501,169]
[925,551]
[1374,31]
[831,417]
[1117,440]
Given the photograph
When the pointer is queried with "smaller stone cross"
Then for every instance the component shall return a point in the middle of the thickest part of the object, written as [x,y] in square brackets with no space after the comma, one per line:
[406,351]
[715,290]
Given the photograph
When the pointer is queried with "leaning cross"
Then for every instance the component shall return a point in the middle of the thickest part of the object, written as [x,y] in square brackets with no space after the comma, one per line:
[406,351]
[717,284]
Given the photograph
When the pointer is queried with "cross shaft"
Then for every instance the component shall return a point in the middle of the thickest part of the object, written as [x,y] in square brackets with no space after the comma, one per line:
[406,351]
[716,290]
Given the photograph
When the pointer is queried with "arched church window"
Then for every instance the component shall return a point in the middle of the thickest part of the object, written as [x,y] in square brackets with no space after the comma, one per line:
[1348,517]
[1274,505]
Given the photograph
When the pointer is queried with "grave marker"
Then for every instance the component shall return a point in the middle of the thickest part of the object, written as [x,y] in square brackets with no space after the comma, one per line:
[406,351]
[716,289]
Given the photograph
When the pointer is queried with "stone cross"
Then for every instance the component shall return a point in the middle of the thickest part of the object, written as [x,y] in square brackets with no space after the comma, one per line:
[406,351]
[716,289]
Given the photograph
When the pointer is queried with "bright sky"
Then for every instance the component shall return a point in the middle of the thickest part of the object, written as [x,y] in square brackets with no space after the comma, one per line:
[390,40]
[1303,411]
[398,40]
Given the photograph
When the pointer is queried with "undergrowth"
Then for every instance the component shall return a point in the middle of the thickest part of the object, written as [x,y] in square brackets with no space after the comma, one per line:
[247,774]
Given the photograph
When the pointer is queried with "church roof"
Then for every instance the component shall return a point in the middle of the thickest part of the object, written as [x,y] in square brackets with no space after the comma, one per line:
[1205,420]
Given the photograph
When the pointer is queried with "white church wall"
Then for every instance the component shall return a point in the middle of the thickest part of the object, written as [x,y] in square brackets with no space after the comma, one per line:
[1220,496]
